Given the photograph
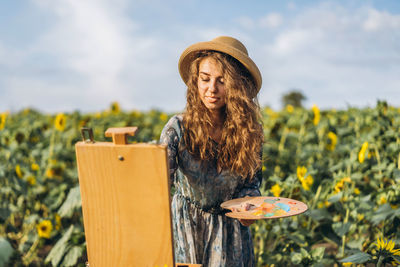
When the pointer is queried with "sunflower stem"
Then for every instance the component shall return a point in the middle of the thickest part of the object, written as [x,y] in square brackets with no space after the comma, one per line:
[313,205]
[398,162]
[300,141]
[51,148]
[380,261]
[378,158]
[281,145]
[346,219]
[261,249]
[28,255]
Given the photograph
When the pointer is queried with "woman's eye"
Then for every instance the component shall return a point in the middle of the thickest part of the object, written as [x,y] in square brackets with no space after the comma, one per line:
[221,81]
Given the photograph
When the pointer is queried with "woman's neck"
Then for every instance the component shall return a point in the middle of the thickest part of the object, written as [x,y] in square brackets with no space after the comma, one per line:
[217,119]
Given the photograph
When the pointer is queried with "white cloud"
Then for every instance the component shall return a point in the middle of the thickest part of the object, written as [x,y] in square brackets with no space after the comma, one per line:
[91,39]
[95,53]
[325,52]
[96,56]
[381,21]
[246,22]
[292,40]
[271,20]
[291,5]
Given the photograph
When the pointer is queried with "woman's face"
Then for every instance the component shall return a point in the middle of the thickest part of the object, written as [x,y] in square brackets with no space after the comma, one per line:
[211,84]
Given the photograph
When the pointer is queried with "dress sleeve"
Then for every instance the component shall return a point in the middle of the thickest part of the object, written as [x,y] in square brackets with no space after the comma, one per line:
[251,187]
[170,137]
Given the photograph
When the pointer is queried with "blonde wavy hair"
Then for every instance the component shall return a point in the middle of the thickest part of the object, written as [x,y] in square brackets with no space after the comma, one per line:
[242,135]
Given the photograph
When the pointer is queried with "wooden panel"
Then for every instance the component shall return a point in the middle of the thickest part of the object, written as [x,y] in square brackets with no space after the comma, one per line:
[126,204]
[120,135]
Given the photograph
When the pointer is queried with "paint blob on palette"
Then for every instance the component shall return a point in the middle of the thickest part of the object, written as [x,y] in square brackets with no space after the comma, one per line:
[263,207]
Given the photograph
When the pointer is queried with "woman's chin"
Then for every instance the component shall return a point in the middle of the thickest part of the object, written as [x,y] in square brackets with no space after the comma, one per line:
[214,106]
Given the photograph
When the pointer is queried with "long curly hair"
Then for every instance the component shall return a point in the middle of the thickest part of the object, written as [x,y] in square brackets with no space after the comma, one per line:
[240,146]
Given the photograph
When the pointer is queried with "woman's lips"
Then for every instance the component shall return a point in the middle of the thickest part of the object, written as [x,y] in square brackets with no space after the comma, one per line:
[211,99]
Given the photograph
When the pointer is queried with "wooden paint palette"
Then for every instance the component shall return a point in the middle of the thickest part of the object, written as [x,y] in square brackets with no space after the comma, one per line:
[256,208]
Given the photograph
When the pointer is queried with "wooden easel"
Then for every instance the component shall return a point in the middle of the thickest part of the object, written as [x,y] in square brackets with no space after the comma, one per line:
[125,201]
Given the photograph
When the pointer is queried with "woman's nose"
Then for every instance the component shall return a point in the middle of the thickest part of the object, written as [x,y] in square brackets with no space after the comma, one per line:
[213,86]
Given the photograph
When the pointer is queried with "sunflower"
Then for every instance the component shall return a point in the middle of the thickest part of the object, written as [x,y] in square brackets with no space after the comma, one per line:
[18,171]
[289,108]
[382,200]
[361,154]
[163,116]
[306,181]
[301,172]
[3,117]
[115,108]
[44,228]
[59,122]
[357,191]
[339,185]
[386,250]
[276,190]
[333,140]
[35,167]
[317,115]
[57,218]
[31,180]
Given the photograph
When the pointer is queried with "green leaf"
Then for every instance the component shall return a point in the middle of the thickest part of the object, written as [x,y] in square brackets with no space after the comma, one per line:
[4,213]
[357,176]
[304,253]
[396,257]
[341,228]
[5,251]
[356,243]
[335,198]
[320,214]
[296,258]
[59,248]
[72,256]
[365,206]
[359,257]
[72,202]
[317,253]
[296,237]
[385,212]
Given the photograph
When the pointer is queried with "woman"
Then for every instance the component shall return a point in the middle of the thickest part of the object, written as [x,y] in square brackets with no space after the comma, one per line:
[214,151]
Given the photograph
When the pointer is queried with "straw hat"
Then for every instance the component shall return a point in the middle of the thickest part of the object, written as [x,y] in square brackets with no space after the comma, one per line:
[225,44]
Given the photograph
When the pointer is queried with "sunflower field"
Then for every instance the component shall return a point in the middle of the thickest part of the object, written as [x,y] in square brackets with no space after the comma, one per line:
[344,164]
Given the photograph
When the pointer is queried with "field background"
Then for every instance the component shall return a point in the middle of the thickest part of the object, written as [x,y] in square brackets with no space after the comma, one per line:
[345,164]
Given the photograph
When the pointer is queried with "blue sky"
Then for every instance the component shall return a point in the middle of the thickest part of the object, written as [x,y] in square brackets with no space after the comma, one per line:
[65,55]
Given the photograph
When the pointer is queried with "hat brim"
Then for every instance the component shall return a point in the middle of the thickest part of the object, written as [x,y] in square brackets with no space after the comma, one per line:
[188,56]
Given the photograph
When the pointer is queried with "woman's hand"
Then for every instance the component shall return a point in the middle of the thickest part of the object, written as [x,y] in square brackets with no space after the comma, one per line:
[246,222]
[245,207]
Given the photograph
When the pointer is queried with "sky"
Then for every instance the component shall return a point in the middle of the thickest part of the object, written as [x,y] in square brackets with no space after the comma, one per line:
[68,55]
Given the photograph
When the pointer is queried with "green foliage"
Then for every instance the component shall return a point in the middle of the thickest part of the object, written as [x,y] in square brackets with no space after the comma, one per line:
[59,249]
[40,204]
[294,98]
[359,257]
[5,251]
[351,201]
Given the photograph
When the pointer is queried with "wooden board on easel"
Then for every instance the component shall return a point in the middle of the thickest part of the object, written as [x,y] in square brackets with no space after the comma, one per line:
[125,202]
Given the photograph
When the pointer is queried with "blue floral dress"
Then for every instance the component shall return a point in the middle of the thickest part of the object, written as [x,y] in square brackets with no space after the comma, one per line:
[202,233]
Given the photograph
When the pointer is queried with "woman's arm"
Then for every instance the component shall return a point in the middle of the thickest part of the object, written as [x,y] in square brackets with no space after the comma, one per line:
[170,137]
[251,188]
